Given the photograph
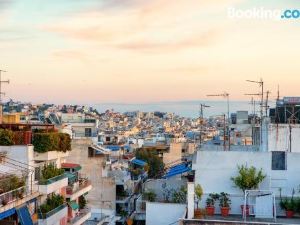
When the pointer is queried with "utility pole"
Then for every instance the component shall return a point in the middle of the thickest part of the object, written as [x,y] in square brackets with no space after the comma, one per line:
[201,119]
[267,101]
[224,136]
[225,95]
[261,84]
[1,94]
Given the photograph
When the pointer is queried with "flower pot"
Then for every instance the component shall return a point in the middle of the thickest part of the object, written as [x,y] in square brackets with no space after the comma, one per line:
[4,202]
[198,214]
[247,210]
[225,211]
[289,213]
[210,210]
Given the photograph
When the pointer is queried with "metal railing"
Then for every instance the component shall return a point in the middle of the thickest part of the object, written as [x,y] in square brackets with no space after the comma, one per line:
[52,212]
[81,213]
[14,195]
[75,188]
[52,180]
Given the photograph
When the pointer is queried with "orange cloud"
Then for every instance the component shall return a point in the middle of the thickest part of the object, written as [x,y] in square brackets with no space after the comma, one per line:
[71,54]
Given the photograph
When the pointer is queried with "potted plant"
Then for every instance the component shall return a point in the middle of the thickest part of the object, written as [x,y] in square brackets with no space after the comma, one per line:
[210,204]
[198,196]
[289,205]
[224,203]
[248,179]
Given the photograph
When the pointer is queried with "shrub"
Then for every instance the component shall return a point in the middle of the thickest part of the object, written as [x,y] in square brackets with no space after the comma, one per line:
[44,142]
[288,204]
[51,203]
[50,171]
[224,200]
[82,202]
[6,137]
[248,178]
[180,196]
[11,182]
[156,165]
[150,196]
[212,198]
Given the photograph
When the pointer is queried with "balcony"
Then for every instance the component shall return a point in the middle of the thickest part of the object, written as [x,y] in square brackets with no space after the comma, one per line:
[50,155]
[53,184]
[78,189]
[16,198]
[54,216]
[80,218]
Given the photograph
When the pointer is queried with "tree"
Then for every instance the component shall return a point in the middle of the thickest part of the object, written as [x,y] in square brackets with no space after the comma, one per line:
[248,178]
[156,165]
[198,194]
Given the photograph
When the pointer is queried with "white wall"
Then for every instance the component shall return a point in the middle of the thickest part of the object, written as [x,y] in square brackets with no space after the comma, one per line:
[213,170]
[279,137]
[23,156]
[163,213]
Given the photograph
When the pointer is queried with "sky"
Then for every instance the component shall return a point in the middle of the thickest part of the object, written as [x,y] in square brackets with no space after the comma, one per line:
[137,51]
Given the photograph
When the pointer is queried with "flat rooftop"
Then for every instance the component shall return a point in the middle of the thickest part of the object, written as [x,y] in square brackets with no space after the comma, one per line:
[237,220]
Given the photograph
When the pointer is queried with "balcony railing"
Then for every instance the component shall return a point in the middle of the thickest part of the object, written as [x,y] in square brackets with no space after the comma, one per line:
[52,180]
[140,205]
[82,213]
[83,183]
[52,212]
[14,195]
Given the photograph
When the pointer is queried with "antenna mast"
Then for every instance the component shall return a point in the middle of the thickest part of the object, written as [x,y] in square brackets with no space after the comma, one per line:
[202,107]
[2,93]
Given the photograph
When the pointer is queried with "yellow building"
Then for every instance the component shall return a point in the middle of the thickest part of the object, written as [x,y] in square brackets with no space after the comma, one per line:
[11,118]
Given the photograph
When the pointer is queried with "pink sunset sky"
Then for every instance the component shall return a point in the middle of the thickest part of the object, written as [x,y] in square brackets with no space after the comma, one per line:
[94,51]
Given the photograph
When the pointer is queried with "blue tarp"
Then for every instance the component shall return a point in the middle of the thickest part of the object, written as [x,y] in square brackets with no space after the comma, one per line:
[113,147]
[117,147]
[24,216]
[138,162]
[178,169]
[7,213]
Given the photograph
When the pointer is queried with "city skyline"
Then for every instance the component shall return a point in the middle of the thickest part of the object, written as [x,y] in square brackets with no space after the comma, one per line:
[144,51]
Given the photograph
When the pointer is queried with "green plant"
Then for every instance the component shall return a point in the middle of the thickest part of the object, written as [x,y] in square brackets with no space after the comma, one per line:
[6,137]
[82,202]
[150,196]
[123,213]
[51,203]
[224,200]
[157,165]
[50,171]
[288,204]
[248,178]
[212,198]
[198,194]
[11,182]
[52,141]
[180,196]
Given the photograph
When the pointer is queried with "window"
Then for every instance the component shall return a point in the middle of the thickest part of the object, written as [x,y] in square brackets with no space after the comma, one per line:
[88,132]
[279,160]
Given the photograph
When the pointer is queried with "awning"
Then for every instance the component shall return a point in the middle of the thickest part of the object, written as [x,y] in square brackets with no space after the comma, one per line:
[71,177]
[138,162]
[73,205]
[74,166]
[179,169]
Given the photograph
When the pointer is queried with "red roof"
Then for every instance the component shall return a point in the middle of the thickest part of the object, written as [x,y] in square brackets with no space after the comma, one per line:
[69,165]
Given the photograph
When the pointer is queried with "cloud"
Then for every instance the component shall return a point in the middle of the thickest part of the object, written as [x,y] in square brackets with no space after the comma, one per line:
[71,54]
[146,26]
[198,40]
[4,4]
